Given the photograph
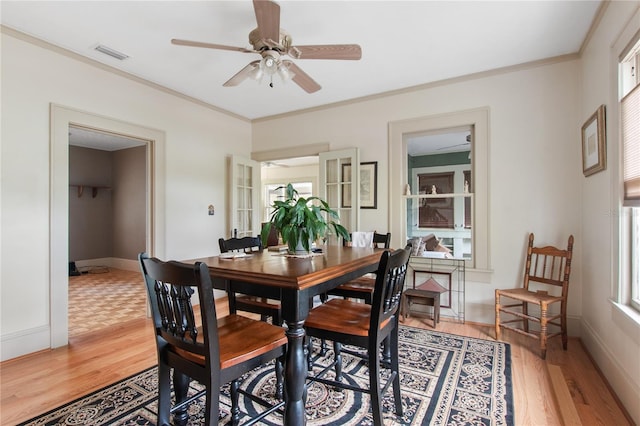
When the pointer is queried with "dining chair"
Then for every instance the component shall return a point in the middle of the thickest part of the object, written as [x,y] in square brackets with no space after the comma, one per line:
[346,322]
[211,350]
[546,284]
[362,287]
[264,306]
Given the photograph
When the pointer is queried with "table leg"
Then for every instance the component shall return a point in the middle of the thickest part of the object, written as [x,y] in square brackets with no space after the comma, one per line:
[295,373]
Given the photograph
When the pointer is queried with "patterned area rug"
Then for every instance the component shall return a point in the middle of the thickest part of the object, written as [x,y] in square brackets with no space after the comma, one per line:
[446,379]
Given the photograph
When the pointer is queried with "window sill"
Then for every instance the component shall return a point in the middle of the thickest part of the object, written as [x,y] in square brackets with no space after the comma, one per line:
[628,319]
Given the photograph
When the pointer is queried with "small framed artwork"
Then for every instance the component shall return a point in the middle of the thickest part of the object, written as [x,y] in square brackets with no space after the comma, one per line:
[368,185]
[594,148]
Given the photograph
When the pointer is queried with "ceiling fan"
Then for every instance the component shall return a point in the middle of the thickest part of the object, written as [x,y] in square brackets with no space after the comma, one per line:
[467,142]
[273,43]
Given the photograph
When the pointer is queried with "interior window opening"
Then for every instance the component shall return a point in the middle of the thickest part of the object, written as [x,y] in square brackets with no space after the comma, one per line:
[440,192]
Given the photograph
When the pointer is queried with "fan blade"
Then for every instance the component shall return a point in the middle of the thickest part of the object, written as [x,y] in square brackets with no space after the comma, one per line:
[210,45]
[326,51]
[242,74]
[452,146]
[301,78]
[268,19]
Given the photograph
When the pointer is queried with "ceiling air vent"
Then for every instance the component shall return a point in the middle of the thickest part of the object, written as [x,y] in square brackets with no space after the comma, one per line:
[113,53]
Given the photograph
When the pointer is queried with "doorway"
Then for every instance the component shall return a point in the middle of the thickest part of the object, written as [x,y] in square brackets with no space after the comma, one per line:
[62,119]
[107,215]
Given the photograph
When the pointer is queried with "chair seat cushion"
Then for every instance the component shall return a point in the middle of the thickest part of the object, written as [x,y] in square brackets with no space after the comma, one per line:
[240,338]
[341,316]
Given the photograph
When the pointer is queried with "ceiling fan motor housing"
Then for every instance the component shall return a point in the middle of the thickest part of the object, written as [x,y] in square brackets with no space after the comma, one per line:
[260,44]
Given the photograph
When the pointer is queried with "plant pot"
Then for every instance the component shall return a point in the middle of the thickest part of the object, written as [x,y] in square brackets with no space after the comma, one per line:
[300,248]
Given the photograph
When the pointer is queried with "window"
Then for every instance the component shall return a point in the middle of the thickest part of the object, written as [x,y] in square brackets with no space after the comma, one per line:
[439,163]
[275,191]
[476,122]
[435,212]
[630,125]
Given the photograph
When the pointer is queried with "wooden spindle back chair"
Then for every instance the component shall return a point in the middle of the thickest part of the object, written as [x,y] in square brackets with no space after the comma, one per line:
[546,283]
[368,327]
[362,287]
[268,306]
[210,350]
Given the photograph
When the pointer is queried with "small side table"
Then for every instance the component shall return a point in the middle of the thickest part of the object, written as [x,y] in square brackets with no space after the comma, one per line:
[427,293]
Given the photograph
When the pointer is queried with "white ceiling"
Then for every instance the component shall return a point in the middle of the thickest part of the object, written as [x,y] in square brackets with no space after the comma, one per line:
[404,43]
[93,139]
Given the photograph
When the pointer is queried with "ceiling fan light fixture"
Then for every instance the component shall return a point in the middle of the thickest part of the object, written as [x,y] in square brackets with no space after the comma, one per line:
[269,63]
[284,73]
[256,73]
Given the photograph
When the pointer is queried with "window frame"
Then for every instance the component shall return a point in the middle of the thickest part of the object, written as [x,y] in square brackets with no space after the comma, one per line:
[628,291]
[266,206]
[479,268]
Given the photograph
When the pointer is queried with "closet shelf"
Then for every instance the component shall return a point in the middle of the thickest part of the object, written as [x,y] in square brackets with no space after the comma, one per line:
[94,189]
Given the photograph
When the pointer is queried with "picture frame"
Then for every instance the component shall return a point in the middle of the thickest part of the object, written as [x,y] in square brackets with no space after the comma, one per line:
[594,152]
[368,185]
[436,212]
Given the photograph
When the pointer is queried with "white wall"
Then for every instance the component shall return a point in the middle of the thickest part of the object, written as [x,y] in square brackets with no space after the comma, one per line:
[197,140]
[611,335]
[534,161]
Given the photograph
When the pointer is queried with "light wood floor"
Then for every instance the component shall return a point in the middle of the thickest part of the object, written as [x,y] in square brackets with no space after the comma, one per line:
[36,383]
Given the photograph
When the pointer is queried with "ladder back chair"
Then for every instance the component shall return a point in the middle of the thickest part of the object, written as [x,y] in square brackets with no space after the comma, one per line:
[362,287]
[368,327]
[197,345]
[546,284]
[242,302]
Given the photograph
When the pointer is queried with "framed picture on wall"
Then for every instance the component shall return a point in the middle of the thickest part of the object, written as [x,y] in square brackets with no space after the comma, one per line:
[368,185]
[594,149]
[436,212]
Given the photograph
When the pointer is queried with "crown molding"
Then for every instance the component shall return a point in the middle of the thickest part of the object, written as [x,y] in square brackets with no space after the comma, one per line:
[448,81]
[70,54]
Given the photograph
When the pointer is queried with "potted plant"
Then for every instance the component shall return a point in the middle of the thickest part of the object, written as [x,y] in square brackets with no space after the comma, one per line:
[301,220]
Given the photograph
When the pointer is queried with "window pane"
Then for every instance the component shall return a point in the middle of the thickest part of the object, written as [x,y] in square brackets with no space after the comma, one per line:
[436,212]
[631,146]
[467,200]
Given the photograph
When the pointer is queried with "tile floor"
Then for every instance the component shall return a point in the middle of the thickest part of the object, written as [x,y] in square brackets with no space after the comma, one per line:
[104,297]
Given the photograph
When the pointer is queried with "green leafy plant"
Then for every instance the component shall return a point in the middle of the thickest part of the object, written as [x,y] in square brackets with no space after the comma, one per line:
[301,220]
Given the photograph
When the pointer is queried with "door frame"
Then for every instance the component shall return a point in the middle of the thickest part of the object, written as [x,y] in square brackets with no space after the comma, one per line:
[60,119]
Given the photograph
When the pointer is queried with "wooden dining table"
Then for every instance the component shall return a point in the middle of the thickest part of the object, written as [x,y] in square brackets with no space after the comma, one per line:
[294,281]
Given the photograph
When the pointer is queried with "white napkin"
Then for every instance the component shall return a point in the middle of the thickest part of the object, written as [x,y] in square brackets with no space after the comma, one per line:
[362,239]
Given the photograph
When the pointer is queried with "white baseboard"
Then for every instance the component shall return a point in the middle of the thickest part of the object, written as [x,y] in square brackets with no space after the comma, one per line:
[125,264]
[627,392]
[13,345]
[111,262]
